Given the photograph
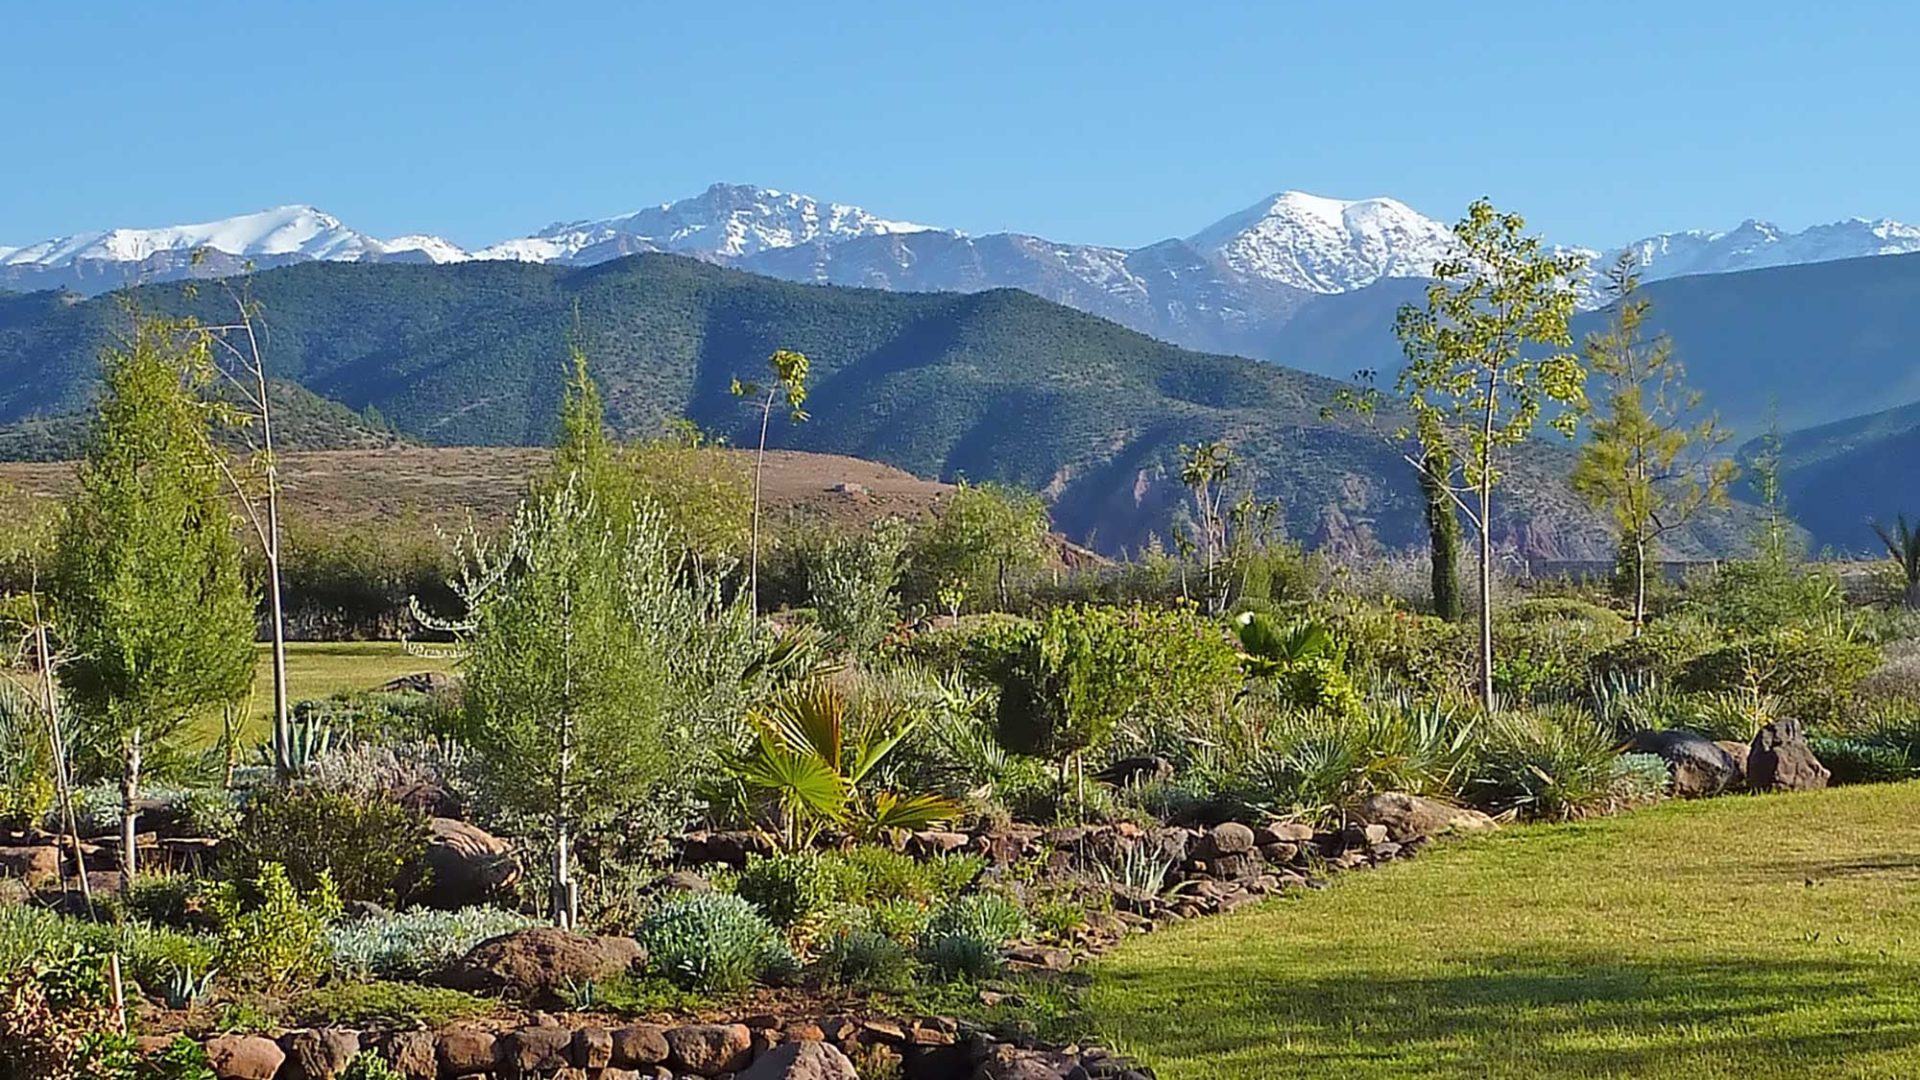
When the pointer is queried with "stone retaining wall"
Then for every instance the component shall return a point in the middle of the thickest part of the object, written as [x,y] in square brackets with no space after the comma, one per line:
[928,1048]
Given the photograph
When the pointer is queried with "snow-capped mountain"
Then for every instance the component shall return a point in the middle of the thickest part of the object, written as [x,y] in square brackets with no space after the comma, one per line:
[1228,288]
[284,232]
[1757,244]
[94,262]
[724,223]
[1326,245]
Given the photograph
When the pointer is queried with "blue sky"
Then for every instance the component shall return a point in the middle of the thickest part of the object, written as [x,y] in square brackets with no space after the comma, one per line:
[1118,122]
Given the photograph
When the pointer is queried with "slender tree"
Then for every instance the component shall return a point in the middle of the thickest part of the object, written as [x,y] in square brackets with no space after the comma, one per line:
[1204,469]
[789,380]
[245,404]
[1651,460]
[1475,378]
[147,578]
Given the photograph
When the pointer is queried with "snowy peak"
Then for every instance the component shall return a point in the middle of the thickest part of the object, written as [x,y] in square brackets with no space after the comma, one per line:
[724,223]
[284,233]
[1755,244]
[1326,245]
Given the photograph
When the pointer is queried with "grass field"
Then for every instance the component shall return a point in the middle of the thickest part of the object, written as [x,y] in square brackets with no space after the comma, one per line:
[322,669]
[1739,937]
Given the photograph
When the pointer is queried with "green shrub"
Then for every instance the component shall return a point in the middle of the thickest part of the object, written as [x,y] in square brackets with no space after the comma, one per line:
[1552,764]
[414,944]
[869,875]
[976,644]
[1549,647]
[788,887]
[1083,671]
[852,581]
[1883,749]
[57,1020]
[1756,596]
[1394,648]
[962,956]
[1662,650]
[173,900]
[273,938]
[1813,671]
[865,960]
[373,1002]
[988,917]
[902,920]
[368,1065]
[26,773]
[366,846]
[711,942]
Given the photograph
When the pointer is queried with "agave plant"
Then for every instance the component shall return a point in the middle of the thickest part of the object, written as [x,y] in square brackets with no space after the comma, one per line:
[1903,543]
[811,753]
[184,988]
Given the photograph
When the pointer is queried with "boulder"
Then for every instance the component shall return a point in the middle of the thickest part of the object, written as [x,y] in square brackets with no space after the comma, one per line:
[411,1053]
[709,1049]
[727,848]
[592,1047]
[638,1045]
[1135,771]
[1738,751]
[465,1051]
[534,964]
[1780,760]
[1407,816]
[1697,764]
[423,682]
[321,1054]
[244,1057]
[535,1049]
[1228,838]
[683,881]
[465,865]
[802,1061]
[34,865]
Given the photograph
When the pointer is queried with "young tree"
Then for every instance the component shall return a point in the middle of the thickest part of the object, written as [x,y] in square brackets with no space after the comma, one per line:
[984,532]
[147,580]
[789,377]
[563,699]
[237,359]
[1650,462]
[1204,471]
[1475,380]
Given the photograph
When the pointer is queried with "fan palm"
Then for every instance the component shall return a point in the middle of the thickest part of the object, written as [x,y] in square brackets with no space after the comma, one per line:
[811,752]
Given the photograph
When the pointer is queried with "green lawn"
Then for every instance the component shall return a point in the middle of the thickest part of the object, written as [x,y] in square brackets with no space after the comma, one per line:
[318,669]
[1741,937]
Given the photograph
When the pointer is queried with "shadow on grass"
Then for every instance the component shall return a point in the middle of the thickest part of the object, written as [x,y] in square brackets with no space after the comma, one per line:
[1893,868]
[1575,1015]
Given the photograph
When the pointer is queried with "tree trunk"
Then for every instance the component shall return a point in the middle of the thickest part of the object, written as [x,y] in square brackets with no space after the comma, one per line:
[282,723]
[1486,599]
[759,464]
[1639,585]
[129,818]
[1486,539]
[1443,537]
[57,745]
[1913,593]
[566,896]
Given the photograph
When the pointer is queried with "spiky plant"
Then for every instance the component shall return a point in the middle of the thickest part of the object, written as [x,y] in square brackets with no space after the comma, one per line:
[1903,543]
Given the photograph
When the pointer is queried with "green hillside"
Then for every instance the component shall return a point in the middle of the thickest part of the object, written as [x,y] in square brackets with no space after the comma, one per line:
[1837,477]
[1821,341]
[997,385]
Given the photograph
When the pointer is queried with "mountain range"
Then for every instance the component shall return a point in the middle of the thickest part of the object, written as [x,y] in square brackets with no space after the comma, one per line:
[1233,286]
[996,385]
